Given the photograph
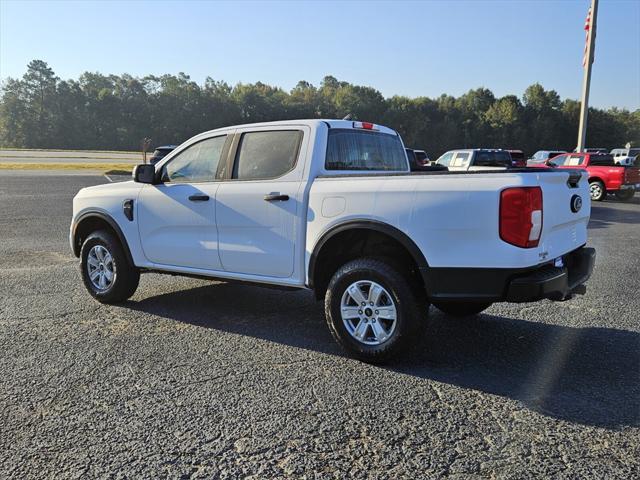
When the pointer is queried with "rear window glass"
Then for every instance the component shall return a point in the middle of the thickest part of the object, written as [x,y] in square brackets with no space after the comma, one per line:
[364,150]
[602,160]
[493,159]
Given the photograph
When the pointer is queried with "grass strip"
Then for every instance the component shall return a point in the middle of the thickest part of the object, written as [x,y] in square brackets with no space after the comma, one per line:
[83,157]
[131,152]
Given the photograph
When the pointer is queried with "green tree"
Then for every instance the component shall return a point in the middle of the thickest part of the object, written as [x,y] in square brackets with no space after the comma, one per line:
[39,94]
[118,111]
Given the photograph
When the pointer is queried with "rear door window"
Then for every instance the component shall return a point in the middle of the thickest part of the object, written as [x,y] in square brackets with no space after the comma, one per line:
[265,155]
[573,160]
[364,150]
[461,159]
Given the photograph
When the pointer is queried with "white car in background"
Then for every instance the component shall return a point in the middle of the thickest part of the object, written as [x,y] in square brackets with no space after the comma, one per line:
[476,159]
[625,156]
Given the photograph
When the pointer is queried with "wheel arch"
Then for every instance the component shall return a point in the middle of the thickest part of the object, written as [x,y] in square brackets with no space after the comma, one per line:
[596,178]
[323,263]
[91,221]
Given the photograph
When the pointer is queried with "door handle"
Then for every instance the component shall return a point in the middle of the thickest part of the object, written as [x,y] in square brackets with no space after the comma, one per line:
[199,198]
[270,197]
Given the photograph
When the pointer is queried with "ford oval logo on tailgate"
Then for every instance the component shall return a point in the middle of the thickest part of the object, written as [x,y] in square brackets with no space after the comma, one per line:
[576,203]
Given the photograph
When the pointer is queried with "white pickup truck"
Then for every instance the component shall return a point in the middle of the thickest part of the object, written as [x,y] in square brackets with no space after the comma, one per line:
[331,206]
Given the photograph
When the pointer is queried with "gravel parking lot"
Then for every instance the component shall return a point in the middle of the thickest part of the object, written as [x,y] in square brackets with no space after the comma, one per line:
[203,379]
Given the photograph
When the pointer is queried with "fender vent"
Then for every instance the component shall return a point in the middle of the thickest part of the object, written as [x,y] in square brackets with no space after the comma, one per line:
[127,208]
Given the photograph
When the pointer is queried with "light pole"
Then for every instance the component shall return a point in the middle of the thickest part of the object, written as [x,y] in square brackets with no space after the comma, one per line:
[590,26]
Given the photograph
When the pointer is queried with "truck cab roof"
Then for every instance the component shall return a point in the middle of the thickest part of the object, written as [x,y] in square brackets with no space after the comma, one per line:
[314,123]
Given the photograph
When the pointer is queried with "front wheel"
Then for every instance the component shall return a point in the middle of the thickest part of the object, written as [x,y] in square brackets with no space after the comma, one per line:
[462,309]
[372,310]
[597,190]
[625,195]
[106,272]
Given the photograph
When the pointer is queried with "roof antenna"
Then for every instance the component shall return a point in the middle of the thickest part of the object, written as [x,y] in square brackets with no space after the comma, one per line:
[347,117]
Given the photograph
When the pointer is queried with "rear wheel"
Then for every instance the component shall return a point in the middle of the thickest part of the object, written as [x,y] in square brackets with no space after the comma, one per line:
[106,272]
[597,190]
[372,310]
[462,309]
[625,195]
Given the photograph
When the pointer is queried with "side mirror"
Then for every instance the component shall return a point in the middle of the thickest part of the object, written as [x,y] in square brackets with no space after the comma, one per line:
[144,173]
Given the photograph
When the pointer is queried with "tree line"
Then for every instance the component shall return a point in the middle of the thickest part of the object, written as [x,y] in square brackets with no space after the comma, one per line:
[115,112]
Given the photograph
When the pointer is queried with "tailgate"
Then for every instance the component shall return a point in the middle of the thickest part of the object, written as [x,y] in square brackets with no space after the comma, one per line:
[631,175]
[566,211]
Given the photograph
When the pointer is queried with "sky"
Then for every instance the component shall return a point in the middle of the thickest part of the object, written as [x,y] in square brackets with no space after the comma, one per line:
[413,48]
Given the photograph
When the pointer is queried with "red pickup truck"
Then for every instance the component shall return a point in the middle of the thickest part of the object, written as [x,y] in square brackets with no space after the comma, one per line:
[605,176]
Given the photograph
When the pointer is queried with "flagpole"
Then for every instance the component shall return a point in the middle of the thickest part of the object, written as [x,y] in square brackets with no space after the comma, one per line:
[586,80]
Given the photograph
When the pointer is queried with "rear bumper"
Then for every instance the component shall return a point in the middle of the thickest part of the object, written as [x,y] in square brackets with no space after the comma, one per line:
[553,282]
[512,285]
[630,186]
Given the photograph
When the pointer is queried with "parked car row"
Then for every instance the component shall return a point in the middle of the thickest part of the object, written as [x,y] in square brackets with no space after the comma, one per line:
[621,156]
[605,176]
[616,173]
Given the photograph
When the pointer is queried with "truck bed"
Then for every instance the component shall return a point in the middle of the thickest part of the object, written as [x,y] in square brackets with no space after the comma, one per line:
[455,223]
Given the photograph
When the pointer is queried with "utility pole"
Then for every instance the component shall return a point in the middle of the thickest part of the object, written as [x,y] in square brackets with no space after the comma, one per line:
[590,26]
[145,146]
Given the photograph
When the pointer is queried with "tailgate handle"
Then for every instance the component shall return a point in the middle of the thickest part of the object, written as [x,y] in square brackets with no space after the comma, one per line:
[574,179]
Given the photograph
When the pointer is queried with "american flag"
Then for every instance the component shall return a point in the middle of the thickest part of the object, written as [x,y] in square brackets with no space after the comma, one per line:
[587,27]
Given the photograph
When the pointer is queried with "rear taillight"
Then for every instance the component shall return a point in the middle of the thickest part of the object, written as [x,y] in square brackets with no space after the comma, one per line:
[521,216]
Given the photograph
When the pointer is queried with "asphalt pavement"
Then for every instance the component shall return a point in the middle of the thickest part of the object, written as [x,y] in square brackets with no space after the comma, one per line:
[198,379]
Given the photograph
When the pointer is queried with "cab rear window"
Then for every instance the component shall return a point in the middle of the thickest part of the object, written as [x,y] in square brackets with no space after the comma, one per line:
[601,160]
[364,150]
[493,159]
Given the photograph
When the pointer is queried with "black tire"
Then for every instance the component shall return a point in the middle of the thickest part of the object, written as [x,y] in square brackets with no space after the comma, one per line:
[125,278]
[625,195]
[410,304]
[462,309]
[597,190]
